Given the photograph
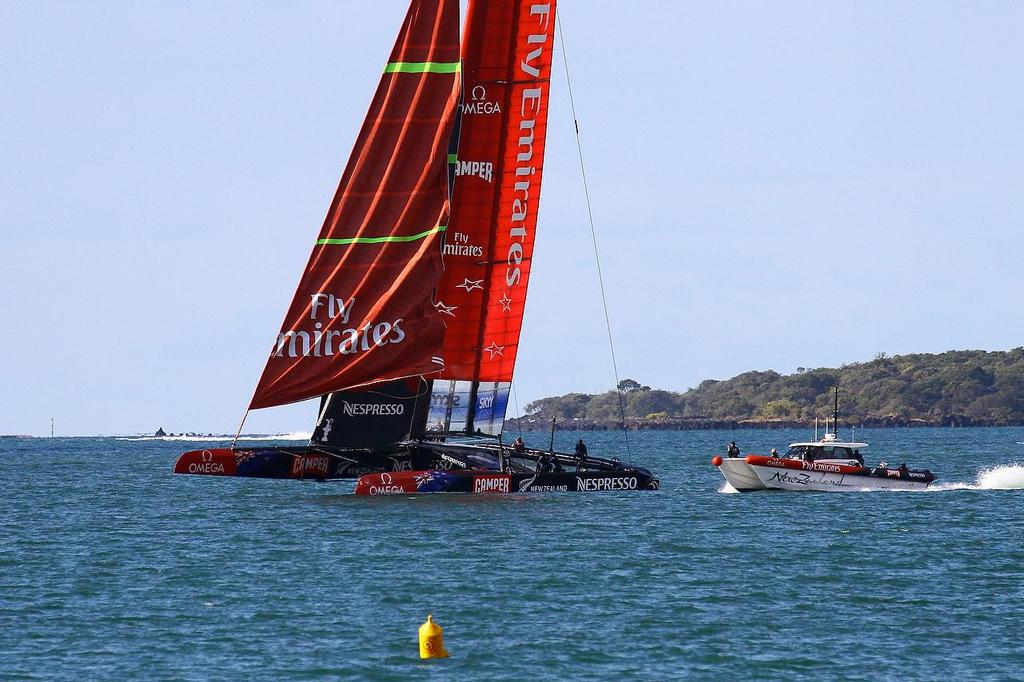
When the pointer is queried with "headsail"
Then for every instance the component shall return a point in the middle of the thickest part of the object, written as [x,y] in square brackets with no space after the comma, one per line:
[362,312]
[507,51]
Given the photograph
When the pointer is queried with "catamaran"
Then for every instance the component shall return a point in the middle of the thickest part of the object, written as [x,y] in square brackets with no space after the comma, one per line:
[407,317]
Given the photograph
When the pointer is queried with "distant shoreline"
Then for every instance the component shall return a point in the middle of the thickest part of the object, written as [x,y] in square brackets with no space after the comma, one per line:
[691,424]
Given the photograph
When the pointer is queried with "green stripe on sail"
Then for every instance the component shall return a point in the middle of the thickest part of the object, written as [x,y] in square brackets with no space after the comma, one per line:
[382,240]
[422,67]
[453,158]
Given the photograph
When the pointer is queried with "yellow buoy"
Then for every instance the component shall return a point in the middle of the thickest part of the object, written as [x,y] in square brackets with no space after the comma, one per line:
[432,640]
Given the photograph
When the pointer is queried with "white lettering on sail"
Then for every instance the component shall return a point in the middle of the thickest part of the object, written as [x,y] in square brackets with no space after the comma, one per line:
[335,306]
[461,246]
[530,107]
[322,342]
[479,104]
[480,169]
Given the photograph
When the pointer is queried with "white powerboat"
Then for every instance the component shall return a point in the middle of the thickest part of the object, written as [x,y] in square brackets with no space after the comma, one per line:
[827,465]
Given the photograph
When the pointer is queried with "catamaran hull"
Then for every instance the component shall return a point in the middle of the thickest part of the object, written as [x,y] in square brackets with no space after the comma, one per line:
[418,482]
[306,463]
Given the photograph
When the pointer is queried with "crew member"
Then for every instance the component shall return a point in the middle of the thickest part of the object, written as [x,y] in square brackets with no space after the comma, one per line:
[543,464]
[518,446]
[581,449]
[734,450]
[775,453]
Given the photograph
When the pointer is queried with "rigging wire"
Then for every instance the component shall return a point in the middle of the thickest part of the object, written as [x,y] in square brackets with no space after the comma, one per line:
[593,232]
[239,431]
[519,415]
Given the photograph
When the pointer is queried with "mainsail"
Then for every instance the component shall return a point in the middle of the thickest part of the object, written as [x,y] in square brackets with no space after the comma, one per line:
[363,312]
[488,250]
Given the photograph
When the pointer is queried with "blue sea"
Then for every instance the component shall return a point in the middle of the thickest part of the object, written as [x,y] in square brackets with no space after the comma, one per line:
[113,568]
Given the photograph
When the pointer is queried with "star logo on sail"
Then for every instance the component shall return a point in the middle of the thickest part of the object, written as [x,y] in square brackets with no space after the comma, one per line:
[495,349]
[506,302]
[446,309]
[470,284]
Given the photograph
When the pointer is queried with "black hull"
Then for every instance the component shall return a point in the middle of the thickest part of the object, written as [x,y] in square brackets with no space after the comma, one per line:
[420,482]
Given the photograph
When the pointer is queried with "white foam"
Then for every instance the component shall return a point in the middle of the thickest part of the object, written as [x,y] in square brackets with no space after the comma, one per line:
[1006,477]
[1002,478]
[727,489]
[295,435]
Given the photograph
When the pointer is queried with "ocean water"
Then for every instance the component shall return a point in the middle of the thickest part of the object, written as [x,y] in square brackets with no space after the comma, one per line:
[113,568]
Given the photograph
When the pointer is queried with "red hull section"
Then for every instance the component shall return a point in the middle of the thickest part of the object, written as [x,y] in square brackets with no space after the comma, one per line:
[214,462]
[253,463]
[411,482]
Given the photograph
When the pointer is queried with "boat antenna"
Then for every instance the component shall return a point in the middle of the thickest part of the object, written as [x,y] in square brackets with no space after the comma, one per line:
[835,413]
[593,234]
[552,446]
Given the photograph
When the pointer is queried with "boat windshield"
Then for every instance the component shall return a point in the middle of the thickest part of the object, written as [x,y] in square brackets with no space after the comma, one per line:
[821,452]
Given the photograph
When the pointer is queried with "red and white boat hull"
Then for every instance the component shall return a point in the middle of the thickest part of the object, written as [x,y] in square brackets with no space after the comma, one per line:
[755,472]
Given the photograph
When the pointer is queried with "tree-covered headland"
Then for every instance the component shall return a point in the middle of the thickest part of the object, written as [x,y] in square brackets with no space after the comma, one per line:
[956,388]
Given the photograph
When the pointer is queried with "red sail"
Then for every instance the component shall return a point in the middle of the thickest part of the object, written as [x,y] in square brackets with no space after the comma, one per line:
[489,247]
[362,311]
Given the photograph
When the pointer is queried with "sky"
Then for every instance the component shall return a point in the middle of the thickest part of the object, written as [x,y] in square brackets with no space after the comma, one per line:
[774,185]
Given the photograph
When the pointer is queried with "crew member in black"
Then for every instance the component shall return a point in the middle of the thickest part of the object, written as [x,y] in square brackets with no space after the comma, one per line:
[581,449]
[545,464]
[734,450]
[518,446]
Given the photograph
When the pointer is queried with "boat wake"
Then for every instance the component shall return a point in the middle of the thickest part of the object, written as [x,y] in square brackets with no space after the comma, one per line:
[295,435]
[1006,477]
